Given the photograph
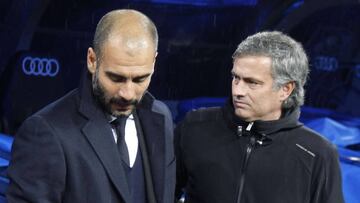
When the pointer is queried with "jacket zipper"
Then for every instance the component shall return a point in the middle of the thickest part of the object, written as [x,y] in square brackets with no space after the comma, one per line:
[249,149]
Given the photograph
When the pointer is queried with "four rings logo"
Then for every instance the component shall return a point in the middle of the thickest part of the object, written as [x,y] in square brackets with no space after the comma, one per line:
[40,66]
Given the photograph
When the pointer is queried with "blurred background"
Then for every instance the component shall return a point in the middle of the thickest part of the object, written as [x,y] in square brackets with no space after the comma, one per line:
[197,39]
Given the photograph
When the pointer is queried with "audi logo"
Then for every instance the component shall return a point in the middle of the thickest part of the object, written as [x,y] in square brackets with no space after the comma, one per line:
[40,66]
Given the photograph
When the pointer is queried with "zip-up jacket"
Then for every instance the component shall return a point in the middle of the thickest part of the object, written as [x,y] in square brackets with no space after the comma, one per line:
[221,159]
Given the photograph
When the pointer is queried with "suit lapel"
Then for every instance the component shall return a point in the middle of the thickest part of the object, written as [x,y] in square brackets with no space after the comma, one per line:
[101,140]
[153,130]
[97,131]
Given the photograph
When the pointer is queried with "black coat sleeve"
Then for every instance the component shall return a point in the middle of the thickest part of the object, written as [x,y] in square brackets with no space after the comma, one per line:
[327,183]
[181,176]
[37,170]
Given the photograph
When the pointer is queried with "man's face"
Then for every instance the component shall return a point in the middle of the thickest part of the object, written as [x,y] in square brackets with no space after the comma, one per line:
[120,78]
[253,95]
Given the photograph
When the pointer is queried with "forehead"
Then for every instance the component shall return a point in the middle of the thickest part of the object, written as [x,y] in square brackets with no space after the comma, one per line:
[253,66]
[139,49]
[120,59]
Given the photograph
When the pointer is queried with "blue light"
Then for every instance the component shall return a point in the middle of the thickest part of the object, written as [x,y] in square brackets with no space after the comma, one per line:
[40,66]
[326,63]
[357,70]
[294,6]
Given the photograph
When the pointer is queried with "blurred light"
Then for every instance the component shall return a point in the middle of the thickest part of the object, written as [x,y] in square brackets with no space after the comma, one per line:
[37,66]
[357,70]
[326,63]
[205,2]
[294,6]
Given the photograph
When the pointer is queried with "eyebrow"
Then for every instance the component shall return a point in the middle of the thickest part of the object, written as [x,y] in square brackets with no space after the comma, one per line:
[142,76]
[112,74]
[247,78]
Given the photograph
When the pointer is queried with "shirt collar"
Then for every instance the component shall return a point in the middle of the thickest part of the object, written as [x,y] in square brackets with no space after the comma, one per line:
[111,118]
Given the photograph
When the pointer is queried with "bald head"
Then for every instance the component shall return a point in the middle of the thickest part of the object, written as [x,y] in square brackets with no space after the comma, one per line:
[130,29]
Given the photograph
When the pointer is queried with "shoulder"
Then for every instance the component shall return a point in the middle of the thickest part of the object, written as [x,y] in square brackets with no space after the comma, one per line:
[151,103]
[311,145]
[160,107]
[203,115]
[313,140]
[210,119]
[57,112]
[307,148]
[60,105]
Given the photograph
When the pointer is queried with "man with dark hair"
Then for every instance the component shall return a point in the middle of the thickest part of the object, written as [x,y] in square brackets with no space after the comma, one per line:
[254,150]
[107,141]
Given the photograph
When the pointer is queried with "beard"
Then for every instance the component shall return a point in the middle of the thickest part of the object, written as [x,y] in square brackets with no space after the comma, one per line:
[106,101]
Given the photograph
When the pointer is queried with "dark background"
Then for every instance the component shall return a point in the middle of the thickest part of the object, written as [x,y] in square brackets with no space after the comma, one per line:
[197,39]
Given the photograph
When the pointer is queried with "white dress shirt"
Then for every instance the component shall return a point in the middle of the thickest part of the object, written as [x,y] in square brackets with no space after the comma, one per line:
[131,138]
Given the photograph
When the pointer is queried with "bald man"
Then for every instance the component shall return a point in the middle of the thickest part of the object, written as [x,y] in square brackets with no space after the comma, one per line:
[107,141]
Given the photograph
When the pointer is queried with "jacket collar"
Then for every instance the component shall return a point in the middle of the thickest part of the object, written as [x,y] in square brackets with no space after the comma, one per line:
[288,120]
[97,130]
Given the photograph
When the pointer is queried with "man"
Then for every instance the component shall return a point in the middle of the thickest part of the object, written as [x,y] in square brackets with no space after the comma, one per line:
[254,150]
[72,150]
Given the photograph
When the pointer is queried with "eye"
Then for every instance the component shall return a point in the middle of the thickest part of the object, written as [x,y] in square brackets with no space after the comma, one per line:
[116,78]
[141,79]
[234,77]
[253,84]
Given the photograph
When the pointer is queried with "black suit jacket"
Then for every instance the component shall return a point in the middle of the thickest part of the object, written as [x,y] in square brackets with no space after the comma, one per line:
[66,153]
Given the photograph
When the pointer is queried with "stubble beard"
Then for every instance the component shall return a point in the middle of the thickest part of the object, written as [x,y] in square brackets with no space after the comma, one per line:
[105,100]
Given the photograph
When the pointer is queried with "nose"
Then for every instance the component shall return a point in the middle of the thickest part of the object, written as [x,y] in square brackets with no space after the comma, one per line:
[127,91]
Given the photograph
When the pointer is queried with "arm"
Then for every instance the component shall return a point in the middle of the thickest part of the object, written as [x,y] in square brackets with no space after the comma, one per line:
[328,182]
[181,176]
[37,169]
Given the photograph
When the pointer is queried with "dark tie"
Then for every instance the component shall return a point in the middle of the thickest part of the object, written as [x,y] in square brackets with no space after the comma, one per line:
[119,124]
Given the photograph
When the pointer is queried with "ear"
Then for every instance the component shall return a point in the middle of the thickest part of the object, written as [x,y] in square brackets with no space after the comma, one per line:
[156,53]
[91,60]
[286,90]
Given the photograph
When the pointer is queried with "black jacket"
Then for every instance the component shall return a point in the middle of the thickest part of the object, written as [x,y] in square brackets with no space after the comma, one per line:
[280,161]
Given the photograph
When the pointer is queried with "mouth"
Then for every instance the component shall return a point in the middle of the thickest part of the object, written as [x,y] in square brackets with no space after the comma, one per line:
[240,104]
[122,107]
